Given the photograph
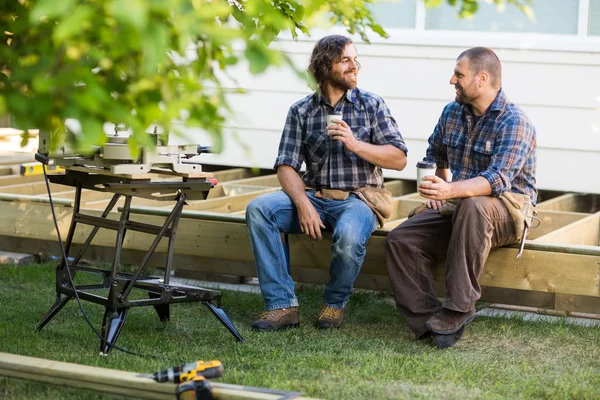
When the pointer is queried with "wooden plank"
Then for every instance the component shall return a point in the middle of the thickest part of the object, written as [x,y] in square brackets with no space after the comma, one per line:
[371,281]
[106,380]
[537,270]
[264,180]
[17,179]
[400,187]
[583,304]
[401,206]
[33,188]
[232,174]
[228,204]
[576,202]
[565,202]
[7,170]
[585,231]
[553,220]
[233,189]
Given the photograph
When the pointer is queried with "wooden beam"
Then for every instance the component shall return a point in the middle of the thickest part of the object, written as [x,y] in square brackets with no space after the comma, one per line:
[123,383]
[400,187]
[544,267]
[585,231]
[565,202]
[228,204]
[553,220]
[576,202]
[233,174]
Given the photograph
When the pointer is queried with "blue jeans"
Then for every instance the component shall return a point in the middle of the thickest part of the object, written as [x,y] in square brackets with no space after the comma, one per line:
[352,222]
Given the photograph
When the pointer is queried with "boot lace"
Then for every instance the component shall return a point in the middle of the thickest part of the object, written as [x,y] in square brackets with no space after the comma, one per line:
[330,312]
[273,315]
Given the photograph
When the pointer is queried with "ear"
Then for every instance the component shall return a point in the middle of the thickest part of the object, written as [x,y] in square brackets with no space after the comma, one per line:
[482,78]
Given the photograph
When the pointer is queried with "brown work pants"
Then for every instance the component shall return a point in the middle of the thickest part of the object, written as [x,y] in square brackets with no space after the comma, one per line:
[464,239]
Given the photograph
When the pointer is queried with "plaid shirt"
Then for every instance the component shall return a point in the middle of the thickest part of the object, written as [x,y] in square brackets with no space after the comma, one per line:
[501,147]
[328,163]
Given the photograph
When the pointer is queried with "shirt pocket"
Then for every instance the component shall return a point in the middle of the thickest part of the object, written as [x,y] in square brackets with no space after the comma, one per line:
[361,133]
[483,149]
[315,146]
[452,137]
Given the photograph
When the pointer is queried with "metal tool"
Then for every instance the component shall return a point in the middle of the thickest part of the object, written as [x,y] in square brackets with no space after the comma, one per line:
[528,225]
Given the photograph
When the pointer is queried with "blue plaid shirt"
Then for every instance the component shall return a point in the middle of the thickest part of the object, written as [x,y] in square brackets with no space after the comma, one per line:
[501,147]
[328,163]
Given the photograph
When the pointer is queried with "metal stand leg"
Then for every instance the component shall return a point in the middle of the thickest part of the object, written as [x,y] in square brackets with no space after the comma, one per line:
[224,319]
[161,309]
[60,303]
[111,328]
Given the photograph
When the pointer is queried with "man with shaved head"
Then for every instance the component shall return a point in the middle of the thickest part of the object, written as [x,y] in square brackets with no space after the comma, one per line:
[484,148]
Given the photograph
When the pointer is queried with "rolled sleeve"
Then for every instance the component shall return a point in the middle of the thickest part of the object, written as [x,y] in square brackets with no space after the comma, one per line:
[513,145]
[384,130]
[436,151]
[290,146]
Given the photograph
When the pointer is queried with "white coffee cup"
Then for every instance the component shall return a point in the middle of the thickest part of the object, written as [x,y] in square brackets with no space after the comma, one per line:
[425,168]
[332,116]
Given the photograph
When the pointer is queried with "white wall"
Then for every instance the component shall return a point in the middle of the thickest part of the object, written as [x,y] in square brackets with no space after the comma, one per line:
[558,88]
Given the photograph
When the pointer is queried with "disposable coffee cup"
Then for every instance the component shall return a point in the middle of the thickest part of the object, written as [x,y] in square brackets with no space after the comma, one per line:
[332,116]
[425,168]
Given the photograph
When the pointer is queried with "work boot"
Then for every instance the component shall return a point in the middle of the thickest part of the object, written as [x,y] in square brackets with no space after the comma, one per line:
[330,317]
[447,321]
[279,318]
[444,341]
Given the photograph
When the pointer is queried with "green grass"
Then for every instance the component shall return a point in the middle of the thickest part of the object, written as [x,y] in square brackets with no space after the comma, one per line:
[373,356]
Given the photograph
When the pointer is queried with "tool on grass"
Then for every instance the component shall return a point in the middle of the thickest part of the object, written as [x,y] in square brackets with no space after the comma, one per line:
[192,378]
[185,372]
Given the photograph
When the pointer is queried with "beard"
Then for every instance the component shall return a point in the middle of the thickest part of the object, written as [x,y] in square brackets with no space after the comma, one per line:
[342,81]
[465,96]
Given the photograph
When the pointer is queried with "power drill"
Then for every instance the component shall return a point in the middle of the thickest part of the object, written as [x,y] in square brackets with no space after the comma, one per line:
[186,372]
[198,388]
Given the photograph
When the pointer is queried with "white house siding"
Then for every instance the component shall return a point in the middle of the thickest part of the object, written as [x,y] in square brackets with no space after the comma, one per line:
[557,83]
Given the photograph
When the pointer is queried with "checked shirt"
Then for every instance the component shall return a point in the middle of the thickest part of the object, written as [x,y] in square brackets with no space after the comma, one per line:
[328,163]
[501,147]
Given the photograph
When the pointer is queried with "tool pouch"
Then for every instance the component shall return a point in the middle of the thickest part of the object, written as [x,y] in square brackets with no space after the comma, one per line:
[521,211]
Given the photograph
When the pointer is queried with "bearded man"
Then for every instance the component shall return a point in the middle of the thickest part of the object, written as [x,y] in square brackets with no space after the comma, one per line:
[343,164]
[489,146]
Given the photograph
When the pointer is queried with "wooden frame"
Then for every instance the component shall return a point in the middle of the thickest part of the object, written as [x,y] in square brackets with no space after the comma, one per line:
[559,269]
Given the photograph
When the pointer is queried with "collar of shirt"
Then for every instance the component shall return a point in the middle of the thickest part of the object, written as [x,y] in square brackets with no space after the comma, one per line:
[352,96]
[498,104]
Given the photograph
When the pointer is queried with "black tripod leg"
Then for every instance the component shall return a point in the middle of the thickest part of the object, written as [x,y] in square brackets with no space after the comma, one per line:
[161,309]
[111,328]
[224,319]
[60,303]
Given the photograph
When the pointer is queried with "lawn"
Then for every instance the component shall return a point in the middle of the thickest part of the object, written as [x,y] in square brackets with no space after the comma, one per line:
[373,356]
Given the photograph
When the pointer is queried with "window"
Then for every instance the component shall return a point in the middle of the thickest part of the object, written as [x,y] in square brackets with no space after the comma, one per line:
[395,14]
[551,16]
[594,17]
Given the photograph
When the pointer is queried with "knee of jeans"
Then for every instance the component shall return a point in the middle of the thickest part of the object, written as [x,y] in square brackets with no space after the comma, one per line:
[349,246]
[255,210]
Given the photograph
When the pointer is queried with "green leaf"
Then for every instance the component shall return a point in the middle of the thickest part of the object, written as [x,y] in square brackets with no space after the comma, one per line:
[154,48]
[379,30]
[432,3]
[257,57]
[2,105]
[49,9]
[130,12]
[72,23]
[93,134]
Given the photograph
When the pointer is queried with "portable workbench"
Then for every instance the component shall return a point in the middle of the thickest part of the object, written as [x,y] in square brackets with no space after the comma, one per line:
[160,291]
